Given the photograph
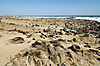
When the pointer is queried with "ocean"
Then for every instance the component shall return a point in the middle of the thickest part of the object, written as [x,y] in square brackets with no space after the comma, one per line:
[59,15]
[54,15]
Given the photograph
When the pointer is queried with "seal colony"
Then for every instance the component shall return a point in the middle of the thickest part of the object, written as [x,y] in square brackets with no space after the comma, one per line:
[28,41]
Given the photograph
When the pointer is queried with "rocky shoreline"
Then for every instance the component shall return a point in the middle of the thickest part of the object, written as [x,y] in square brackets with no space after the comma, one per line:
[53,41]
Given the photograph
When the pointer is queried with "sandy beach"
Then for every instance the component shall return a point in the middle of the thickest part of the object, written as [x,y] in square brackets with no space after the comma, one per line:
[29,41]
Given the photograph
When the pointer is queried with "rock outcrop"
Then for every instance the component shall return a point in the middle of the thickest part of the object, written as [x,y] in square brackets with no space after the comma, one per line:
[54,41]
[55,55]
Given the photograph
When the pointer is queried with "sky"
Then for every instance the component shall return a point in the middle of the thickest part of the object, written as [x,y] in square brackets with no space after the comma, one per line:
[49,7]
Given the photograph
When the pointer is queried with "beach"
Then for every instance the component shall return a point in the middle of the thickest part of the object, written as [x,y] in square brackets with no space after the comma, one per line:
[49,41]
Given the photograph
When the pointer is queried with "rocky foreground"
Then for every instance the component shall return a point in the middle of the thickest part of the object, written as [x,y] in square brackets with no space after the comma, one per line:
[52,41]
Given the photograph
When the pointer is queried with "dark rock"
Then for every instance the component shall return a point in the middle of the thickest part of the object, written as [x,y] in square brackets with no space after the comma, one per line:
[36,43]
[19,31]
[98,59]
[11,23]
[74,39]
[50,36]
[98,53]
[17,40]
[69,54]
[75,48]
[93,50]
[60,33]
[61,40]
[88,46]
[36,25]
[54,41]
[46,30]
[86,43]
[26,53]
[98,48]
[33,39]
[69,40]
[43,34]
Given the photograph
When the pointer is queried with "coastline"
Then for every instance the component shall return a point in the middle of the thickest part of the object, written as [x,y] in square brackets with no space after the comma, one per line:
[85,17]
[89,18]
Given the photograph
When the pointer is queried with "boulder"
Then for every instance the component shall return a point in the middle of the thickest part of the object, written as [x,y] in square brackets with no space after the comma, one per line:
[75,48]
[17,40]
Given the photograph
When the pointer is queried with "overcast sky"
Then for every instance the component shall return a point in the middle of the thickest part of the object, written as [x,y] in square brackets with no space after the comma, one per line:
[49,7]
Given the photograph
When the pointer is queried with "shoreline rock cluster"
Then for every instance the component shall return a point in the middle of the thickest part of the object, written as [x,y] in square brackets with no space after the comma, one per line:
[56,41]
